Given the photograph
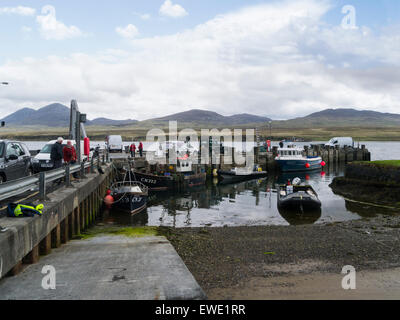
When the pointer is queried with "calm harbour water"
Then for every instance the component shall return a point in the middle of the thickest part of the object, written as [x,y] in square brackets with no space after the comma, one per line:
[249,203]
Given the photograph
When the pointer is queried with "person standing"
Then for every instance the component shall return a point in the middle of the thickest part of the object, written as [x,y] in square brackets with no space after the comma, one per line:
[141,149]
[56,154]
[133,150]
[69,155]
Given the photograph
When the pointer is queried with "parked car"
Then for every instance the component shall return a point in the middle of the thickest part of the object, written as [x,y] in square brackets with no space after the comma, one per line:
[15,160]
[42,162]
[341,142]
[114,143]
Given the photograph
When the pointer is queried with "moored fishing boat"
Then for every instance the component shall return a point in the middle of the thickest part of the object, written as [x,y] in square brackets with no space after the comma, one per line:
[154,182]
[130,196]
[291,159]
[241,174]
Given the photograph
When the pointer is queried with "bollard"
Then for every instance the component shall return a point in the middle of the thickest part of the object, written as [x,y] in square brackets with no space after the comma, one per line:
[68,177]
[42,186]
[82,173]
[103,159]
[91,166]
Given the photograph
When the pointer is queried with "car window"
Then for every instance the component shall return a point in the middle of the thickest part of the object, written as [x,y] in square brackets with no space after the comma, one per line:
[11,150]
[19,149]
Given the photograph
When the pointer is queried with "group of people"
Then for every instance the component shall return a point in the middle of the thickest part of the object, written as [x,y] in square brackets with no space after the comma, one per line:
[60,152]
[132,149]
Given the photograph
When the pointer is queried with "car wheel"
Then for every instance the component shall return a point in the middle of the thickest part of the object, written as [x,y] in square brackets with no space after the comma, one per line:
[2,179]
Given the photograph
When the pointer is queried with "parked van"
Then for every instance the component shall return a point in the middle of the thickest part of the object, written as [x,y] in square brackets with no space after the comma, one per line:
[341,142]
[41,162]
[114,143]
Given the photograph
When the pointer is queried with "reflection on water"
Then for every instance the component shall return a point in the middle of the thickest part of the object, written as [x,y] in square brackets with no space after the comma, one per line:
[245,204]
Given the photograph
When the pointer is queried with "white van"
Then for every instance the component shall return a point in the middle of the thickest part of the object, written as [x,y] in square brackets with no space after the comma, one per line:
[341,142]
[41,162]
[114,144]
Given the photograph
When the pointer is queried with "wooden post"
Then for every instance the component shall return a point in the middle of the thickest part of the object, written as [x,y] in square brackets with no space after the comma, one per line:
[78,219]
[16,269]
[65,226]
[45,245]
[56,237]
[32,257]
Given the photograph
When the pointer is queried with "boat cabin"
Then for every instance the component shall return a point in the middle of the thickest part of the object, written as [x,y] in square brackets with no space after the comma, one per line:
[290,152]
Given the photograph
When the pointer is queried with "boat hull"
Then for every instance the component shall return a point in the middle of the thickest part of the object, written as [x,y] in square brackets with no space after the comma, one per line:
[298,202]
[296,165]
[230,177]
[153,182]
[194,180]
[131,202]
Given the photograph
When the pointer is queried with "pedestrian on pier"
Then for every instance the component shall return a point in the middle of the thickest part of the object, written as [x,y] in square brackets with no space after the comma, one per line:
[133,150]
[56,154]
[141,149]
[69,155]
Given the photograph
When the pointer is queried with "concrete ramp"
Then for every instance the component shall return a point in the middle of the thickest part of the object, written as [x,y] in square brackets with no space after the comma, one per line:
[108,268]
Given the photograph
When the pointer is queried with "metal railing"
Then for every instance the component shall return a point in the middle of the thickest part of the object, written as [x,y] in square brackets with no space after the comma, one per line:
[39,181]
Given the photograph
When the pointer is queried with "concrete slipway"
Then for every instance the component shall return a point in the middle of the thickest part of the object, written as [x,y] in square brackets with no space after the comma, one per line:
[109,268]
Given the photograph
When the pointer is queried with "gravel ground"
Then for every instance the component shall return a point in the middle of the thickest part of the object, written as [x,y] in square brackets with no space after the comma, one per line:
[227,257]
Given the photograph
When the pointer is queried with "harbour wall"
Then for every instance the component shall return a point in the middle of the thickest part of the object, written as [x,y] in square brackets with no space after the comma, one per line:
[67,212]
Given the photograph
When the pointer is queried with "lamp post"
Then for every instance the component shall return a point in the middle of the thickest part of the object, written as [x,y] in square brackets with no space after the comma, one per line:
[2,123]
[270,129]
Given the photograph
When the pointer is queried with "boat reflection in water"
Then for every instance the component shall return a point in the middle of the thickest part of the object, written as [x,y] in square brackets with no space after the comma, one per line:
[248,203]
[297,217]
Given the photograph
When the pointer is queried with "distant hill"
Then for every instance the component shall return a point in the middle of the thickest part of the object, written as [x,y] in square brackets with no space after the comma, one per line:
[54,115]
[344,118]
[210,117]
[109,122]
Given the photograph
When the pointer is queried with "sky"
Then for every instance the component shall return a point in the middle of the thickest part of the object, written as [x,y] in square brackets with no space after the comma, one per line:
[142,59]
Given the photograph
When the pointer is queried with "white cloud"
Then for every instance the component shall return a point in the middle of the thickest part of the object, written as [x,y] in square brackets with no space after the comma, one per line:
[20,10]
[129,32]
[280,60]
[52,29]
[143,16]
[172,10]
[26,29]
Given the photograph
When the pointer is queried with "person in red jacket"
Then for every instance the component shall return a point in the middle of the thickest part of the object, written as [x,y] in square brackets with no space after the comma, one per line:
[69,155]
[141,149]
[133,150]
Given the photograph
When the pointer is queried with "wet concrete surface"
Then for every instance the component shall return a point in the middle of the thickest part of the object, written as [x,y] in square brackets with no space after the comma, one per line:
[108,268]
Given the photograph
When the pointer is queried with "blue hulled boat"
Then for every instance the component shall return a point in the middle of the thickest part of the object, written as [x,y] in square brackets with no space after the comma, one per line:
[291,159]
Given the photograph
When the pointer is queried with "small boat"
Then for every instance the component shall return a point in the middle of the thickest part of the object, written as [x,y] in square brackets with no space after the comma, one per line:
[301,198]
[190,178]
[154,182]
[291,159]
[130,196]
[241,174]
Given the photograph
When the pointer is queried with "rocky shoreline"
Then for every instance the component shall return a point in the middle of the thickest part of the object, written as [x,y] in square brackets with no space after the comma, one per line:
[229,257]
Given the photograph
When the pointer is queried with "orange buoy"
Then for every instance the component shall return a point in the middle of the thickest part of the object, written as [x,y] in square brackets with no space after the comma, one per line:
[108,199]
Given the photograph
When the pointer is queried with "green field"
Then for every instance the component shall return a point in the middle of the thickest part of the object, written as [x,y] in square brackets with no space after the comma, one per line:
[386,163]
[139,131]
